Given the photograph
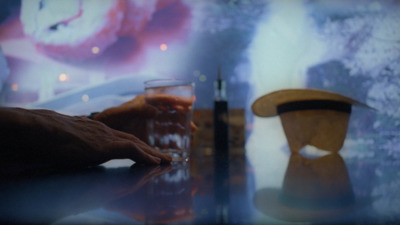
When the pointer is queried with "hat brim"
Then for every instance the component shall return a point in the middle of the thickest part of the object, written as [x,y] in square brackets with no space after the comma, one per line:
[266,105]
[267,201]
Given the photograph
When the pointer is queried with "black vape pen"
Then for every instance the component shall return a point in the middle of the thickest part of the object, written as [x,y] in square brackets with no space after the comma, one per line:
[221,116]
[221,152]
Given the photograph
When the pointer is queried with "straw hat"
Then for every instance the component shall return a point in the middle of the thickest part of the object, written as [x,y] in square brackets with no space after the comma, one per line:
[313,190]
[266,106]
[309,116]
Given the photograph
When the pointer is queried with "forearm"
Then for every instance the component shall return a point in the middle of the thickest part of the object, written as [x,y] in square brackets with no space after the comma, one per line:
[46,137]
[32,136]
[13,125]
[11,116]
[14,130]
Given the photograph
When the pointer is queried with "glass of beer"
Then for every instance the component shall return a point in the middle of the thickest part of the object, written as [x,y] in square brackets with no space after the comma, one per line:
[170,130]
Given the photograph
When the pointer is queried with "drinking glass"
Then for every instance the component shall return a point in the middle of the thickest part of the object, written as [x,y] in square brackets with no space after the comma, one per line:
[170,130]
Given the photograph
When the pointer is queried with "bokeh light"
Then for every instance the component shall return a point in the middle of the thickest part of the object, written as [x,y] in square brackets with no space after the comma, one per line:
[95,50]
[202,78]
[14,87]
[85,98]
[163,47]
[63,77]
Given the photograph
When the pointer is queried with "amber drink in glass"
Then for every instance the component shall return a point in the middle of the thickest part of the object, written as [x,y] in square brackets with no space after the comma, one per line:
[170,130]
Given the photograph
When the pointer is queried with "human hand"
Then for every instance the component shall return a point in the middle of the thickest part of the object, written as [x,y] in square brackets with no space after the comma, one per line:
[45,137]
[131,117]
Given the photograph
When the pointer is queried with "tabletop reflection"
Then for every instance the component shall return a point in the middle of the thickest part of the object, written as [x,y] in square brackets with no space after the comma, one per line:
[164,199]
[49,198]
[314,189]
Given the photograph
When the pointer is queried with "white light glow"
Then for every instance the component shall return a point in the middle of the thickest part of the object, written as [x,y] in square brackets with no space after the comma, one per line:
[284,46]
[63,77]
[85,98]
[95,50]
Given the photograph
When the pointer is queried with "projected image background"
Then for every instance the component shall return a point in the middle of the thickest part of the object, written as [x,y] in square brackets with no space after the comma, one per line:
[79,56]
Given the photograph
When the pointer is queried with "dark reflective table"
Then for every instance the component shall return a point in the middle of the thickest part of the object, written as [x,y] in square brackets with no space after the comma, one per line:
[256,186]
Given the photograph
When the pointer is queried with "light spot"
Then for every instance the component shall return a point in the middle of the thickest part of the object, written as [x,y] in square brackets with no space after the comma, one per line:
[163,47]
[14,87]
[202,78]
[95,50]
[63,77]
[85,98]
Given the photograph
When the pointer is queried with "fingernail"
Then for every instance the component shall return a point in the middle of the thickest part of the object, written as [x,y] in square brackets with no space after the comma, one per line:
[168,158]
[157,160]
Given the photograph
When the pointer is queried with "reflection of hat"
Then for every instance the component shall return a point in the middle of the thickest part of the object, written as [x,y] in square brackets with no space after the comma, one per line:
[313,190]
[309,116]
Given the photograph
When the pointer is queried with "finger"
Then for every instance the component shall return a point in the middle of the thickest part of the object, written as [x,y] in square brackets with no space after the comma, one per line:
[150,110]
[143,111]
[165,158]
[193,126]
[138,100]
[126,149]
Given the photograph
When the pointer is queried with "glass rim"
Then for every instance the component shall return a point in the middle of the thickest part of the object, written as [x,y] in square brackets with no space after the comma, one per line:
[166,83]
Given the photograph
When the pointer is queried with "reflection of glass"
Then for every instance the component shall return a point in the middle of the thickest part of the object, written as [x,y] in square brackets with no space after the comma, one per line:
[169,197]
[313,190]
[170,130]
[166,198]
